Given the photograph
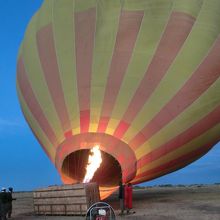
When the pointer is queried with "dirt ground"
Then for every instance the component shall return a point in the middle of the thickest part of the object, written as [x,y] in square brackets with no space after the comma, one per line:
[156,203]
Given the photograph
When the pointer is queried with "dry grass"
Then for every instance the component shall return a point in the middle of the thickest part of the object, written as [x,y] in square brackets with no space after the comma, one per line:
[157,203]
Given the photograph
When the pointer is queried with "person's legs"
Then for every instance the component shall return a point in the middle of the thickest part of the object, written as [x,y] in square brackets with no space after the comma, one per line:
[9,210]
[122,206]
[4,211]
[0,211]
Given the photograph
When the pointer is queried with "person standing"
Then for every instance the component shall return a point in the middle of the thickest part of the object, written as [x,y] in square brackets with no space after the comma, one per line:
[9,201]
[3,204]
[121,197]
[128,197]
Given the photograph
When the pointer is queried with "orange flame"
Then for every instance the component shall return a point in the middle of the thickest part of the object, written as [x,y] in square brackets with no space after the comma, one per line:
[95,159]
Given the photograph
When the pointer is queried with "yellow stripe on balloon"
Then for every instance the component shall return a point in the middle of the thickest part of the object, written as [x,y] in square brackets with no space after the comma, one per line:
[191,7]
[64,37]
[108,12]
[83,5]
[44,15]
[196,143]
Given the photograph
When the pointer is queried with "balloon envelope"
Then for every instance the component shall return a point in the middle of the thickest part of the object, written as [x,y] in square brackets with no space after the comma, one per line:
[138,78]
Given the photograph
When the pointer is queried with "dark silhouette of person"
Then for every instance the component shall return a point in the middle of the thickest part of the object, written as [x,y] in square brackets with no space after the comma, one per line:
[9,201]
[121,196]
[3,204]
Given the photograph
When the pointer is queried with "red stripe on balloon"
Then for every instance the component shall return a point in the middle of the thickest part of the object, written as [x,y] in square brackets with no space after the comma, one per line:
[38,138]
[129,173]
[32,103]
[85,23]
[196,130]
[173,38]
[68,134]
[84,121]
[41,143]
[129,26]
[48,59]
[205,75]
[180,161]
[180,165]
[102,124]
[121,129]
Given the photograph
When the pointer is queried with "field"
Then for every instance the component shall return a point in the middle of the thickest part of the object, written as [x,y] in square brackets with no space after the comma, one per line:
[156,203]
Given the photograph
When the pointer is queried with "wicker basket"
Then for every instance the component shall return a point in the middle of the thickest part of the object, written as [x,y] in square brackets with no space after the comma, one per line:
[66,199]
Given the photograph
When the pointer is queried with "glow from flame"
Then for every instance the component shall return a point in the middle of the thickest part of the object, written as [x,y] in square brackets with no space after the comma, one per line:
[95,159]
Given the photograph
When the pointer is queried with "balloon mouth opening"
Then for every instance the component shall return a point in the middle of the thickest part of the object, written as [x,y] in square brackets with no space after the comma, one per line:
[107,175]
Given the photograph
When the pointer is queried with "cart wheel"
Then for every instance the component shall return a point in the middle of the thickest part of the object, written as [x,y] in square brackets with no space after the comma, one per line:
[100,211]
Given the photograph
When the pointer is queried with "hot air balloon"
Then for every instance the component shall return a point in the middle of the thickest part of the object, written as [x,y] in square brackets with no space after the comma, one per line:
[138,78]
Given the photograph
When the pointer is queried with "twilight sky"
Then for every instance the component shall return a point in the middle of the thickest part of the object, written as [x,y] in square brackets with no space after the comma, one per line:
[23,163]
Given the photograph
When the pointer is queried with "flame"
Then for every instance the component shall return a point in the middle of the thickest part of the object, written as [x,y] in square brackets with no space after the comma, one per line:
[95,159]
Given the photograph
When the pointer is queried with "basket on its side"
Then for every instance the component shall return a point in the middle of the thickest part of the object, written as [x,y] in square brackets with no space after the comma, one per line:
[66,199]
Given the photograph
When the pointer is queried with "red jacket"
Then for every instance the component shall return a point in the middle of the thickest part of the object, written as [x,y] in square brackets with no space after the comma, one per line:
[128,197]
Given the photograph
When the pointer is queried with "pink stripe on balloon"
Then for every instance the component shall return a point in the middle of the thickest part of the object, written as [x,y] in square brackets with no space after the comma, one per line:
[129,26]
[121,129]
[45,148]
[85,23]
[48,59]
[32,103]
[211,120]
[177,163]
[84,120]
[102,124]
[68,134]
[38,139]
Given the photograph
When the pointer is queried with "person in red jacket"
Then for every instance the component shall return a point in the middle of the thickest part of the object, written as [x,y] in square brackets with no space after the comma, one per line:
[128,197]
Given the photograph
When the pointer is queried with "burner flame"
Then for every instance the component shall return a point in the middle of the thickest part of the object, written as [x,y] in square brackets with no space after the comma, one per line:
[95,159]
